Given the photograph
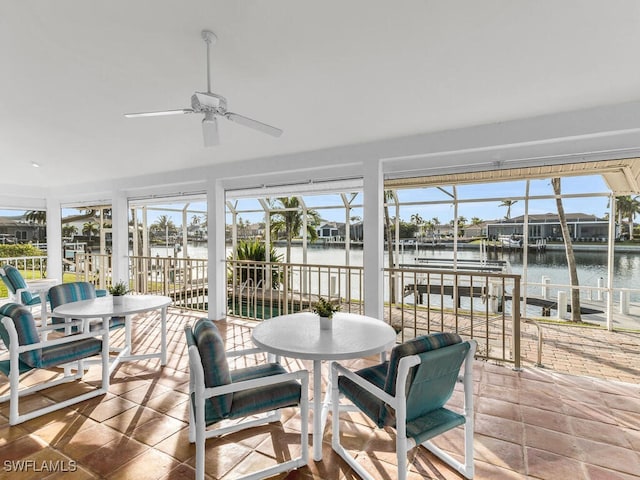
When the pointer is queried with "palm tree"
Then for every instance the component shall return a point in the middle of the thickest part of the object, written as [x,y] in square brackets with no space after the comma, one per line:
[290,221]
[418,221]
[163,226]
[571,258]
[628,207]
[90,229]
[38,217]
[508,204]
[69,230]
[475,221]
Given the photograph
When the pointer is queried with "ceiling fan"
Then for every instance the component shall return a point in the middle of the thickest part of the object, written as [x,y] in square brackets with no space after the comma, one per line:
[212,106]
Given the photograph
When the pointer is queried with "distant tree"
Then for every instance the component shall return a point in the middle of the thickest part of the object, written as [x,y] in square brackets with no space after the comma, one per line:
[69,230]
[418,221]
[290,220]
[38,217]
[508,204]
[571,258]
[627,207]
[475,221]
[430,226]
[90,229]
[163,226]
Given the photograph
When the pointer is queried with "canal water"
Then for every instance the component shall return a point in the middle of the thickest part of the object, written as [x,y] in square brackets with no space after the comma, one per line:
[591,265]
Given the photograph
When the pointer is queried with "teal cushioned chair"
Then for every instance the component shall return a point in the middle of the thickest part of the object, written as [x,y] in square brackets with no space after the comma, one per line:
[409,394]
[18,287]
[75,292]
[218,393]
[27,352]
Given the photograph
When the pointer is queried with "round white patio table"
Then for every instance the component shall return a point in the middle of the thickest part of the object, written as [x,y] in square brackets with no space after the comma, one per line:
[104,308]
[299,336]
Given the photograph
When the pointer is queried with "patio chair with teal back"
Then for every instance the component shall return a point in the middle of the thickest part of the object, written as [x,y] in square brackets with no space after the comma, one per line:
[409,393]
[17,286]
[28,351]
[218,393]
[75,292]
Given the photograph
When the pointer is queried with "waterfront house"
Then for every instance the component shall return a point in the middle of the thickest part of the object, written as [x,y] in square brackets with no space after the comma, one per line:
[583,227]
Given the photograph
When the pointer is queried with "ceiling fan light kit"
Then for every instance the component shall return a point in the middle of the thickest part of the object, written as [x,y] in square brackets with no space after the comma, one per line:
[212,106]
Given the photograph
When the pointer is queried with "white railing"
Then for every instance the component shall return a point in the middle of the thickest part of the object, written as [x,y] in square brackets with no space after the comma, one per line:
[32,268]
[475,304]
[259,290]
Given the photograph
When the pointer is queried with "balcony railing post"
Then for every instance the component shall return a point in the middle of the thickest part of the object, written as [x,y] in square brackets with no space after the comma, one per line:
[515,315]
[285,281]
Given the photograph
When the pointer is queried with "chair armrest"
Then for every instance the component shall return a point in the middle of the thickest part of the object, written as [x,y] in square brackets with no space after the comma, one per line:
[244,352]
[62,340]
[368,386]
[301,375]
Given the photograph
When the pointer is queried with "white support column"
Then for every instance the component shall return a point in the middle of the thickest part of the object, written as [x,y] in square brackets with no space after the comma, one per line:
[120,237]
[216,271]
[185,232]
[54,239]
[373,248]
[610,259]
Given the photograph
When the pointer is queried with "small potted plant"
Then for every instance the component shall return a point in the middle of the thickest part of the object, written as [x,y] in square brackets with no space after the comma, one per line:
[325,309]
[118,290]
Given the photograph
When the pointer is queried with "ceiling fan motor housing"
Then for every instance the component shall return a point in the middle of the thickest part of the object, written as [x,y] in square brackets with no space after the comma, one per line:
[207,102]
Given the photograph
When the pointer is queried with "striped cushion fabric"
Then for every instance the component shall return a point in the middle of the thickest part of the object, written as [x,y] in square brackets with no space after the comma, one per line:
[14,281]
[368,403]
[424,343]
[215,366]
[59,354]
[74,292]
[26,329]
[263,399]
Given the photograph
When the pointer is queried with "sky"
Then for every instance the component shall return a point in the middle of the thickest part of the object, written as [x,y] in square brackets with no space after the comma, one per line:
[488,210]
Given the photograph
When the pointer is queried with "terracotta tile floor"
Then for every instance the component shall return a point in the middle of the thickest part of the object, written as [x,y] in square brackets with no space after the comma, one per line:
[536,423]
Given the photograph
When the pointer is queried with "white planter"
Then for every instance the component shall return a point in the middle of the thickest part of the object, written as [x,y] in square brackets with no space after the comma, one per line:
[326,323]
[118,299]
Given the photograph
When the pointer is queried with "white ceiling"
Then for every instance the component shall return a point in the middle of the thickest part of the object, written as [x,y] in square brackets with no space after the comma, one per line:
[329,73]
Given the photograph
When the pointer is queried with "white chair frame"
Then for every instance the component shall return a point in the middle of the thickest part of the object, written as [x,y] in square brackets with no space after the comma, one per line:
[198,432]
[399,404]
[14,372]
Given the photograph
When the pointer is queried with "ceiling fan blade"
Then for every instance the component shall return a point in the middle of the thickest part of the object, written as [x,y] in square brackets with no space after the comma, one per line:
[210,130]
[159,113]
[256,125]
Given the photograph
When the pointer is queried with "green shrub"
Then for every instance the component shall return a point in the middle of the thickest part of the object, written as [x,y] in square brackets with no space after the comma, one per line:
[255,250]
[20,250]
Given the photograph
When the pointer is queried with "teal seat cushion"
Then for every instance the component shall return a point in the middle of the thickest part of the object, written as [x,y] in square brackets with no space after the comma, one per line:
[26,330]
[69,352]
[263,399]
[433,424]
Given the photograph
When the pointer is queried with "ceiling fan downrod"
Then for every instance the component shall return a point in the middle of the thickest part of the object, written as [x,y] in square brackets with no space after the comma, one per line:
[209,37]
